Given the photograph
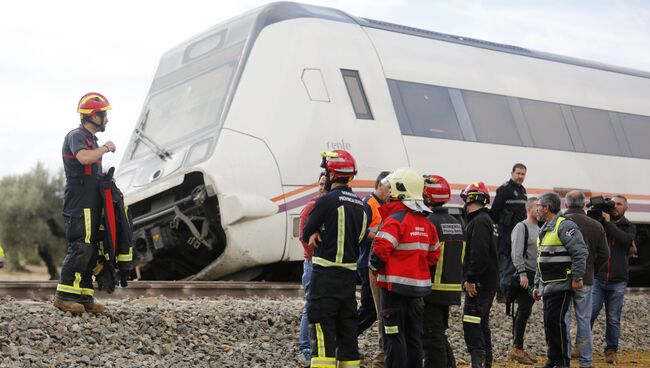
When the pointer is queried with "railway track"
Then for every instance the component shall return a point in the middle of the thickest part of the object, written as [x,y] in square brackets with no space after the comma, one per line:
[179,289]
[168,289]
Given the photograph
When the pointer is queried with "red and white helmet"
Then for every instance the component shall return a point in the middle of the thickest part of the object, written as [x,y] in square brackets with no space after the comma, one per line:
[476,192]
[340,163]
[92,103]
[436,189]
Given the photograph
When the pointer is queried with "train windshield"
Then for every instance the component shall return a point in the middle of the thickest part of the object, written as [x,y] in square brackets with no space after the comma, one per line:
[186,108]
[191,87]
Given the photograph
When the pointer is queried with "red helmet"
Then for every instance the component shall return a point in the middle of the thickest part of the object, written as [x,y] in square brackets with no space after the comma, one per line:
[340,163]
[92,103]
[436,189]
[476,192]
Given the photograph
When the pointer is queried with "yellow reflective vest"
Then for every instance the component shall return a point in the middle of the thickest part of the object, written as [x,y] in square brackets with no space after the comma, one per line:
[553,258]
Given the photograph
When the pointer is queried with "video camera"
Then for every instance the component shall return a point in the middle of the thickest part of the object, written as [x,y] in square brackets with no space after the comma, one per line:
[598,205]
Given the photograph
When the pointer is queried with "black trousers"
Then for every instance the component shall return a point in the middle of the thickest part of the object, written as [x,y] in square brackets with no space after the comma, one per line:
[402,333]
[366,312]
[524,308]
[556,306]
[332,312]
[476,321]
[437,350]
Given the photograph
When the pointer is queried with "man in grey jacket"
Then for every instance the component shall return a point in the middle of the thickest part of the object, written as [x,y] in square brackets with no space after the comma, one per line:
[562,255]
[524,259]
[594,235]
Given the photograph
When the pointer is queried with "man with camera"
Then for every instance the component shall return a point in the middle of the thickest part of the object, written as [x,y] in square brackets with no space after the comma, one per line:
[594,235]
[611,280]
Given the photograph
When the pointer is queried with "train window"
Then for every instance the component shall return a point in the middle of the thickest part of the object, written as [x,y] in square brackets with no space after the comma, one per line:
[637,131]
[204,46]
[429,111]
[596,131]
[357,94]
[546,124]
[491,117]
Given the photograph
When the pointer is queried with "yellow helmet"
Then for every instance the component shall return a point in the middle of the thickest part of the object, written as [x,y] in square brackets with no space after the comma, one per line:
[406,184]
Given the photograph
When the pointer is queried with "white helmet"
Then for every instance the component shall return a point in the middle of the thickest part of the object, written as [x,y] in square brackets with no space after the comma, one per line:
[406,184]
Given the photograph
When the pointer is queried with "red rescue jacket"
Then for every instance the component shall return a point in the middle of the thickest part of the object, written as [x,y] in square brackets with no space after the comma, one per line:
[404,249]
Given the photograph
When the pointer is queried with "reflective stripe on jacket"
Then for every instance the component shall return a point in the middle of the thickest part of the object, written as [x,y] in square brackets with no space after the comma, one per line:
[553,259]
[407,245]
[447,273]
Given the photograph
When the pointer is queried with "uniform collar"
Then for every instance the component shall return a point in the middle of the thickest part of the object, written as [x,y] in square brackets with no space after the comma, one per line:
[476,213]
[87,132]
[377,198]
[512,182]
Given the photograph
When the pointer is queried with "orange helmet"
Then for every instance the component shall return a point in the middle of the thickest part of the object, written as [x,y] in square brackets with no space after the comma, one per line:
[92,103]
[436,189]
[476,192]
[340,163]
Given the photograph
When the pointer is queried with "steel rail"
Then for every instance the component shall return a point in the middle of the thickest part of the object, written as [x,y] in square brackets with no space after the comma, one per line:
[169,289]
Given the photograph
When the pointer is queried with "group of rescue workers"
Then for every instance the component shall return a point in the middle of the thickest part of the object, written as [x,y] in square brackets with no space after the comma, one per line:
[413,258]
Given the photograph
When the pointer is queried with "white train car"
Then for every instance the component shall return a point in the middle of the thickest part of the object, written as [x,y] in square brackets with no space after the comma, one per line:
[226,151]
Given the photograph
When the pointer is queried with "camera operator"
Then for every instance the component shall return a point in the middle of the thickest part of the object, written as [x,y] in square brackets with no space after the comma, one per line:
[611,280]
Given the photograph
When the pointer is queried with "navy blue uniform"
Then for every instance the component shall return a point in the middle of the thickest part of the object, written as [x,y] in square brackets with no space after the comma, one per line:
[82,206]
[341,220]
[446,287]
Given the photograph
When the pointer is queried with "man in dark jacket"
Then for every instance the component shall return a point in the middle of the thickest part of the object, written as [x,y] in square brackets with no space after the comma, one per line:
[480,274]
[446,275]
[335,229]
[508,209]
[594,235]
[611,280]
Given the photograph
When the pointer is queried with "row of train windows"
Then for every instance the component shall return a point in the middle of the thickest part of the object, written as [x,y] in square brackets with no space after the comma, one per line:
[440,112]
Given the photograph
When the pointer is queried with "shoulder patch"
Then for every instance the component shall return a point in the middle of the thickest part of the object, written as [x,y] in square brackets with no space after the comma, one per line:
[571,232]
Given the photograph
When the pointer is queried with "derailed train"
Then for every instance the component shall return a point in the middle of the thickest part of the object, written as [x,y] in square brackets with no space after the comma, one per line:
[225,152]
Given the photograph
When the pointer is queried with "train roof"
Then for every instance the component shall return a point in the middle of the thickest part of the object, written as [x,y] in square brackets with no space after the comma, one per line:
[281,11]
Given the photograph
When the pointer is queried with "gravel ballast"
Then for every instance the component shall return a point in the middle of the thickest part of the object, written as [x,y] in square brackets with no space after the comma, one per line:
[225,332]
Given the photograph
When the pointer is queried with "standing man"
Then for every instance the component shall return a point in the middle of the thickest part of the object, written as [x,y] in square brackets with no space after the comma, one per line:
[446,275]
[509,208]
[480,274]
[611,280]
[82,205]
[335,229]
[404,249]
[367,313]
[562,254]
[594,235]
[305,349]
[524,258]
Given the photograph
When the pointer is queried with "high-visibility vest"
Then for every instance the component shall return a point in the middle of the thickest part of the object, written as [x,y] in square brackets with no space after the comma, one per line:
[2,254]
[553,259]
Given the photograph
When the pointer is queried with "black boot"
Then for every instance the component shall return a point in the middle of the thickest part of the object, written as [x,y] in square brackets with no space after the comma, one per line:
[478,358]
[488,359]
[451,359]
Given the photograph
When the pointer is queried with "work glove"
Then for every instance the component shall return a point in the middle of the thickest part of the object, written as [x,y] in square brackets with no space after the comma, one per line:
[123,279]
[105,278]
[416,308]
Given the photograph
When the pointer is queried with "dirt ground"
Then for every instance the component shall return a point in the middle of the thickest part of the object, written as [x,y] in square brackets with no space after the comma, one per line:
[627,359]
[36,273]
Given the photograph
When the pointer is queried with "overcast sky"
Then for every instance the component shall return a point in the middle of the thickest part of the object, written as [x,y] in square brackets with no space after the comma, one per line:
[52,52]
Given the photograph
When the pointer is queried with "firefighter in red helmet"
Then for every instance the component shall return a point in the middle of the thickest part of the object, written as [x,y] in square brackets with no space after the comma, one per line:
[336,227]
[82,205]
[402,252]
[446,275]
[480,274]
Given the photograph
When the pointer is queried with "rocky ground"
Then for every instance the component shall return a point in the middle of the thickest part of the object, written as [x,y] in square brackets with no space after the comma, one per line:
[223,332]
